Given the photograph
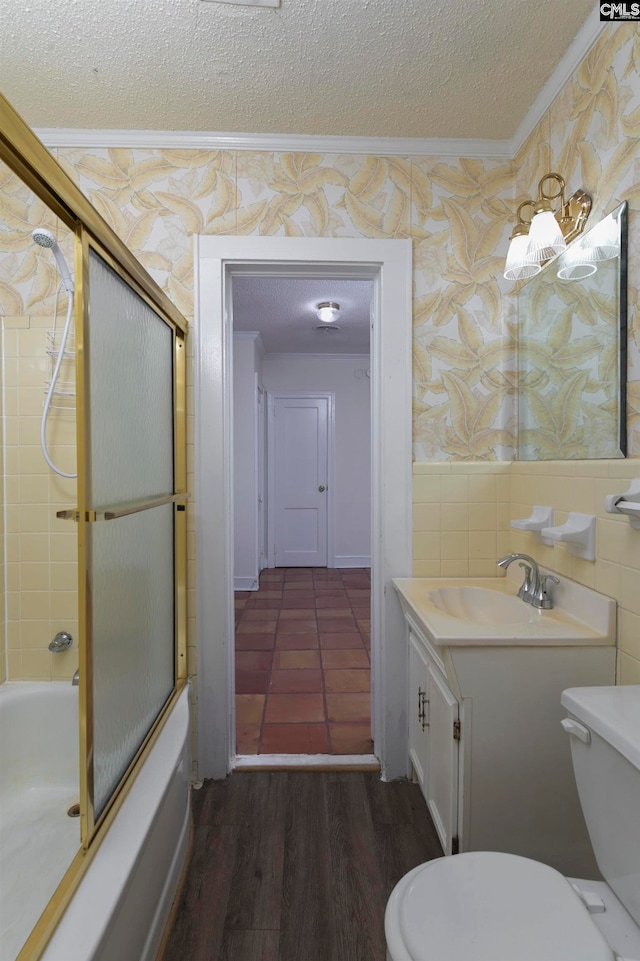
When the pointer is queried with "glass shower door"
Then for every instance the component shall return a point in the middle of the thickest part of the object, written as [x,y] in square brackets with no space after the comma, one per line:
[130,502]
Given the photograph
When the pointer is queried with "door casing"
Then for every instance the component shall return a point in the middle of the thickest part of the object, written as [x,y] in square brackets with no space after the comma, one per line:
[389,264]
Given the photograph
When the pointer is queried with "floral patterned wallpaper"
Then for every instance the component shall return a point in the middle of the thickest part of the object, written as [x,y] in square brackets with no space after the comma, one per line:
[591,135]
[458,212]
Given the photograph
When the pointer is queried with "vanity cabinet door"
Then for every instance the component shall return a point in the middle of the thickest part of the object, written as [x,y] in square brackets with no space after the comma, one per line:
[418,731]
[442,759]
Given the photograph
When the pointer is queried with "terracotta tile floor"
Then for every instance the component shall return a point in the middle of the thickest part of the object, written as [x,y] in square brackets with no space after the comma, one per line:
[303,664]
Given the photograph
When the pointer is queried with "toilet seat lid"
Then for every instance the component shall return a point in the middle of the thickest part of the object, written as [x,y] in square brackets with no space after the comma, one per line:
[487,906]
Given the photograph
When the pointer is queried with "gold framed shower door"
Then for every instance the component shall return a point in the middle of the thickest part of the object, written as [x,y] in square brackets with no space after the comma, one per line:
[29,159]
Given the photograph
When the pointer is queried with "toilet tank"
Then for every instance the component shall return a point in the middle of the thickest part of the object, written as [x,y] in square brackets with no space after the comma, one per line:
[605,749]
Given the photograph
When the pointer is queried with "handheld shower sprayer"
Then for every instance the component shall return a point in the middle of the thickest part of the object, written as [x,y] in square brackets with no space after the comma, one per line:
[44,238]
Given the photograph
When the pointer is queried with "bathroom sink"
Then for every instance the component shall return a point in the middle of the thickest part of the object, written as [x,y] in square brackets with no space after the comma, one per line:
[481,605]
[487,611]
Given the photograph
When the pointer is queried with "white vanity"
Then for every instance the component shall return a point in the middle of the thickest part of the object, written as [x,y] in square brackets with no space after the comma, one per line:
[486,672]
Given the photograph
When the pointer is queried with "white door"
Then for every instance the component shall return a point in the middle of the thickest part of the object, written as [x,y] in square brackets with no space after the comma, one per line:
[298,500]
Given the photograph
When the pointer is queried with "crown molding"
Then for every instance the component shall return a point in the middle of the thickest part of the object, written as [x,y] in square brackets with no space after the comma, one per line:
[54,137]
[584,40]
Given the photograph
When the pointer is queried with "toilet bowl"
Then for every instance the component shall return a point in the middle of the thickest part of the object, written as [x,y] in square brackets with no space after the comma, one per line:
[491,906]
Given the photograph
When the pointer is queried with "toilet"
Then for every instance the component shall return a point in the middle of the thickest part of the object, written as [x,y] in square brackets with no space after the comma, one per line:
[489,906]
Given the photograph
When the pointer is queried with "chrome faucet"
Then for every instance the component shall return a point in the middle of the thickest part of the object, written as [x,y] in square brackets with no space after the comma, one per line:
[75,680]
[543,599]
[535,589]
[530,588]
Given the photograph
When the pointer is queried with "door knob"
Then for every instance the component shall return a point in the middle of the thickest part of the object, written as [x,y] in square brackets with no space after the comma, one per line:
[321,488]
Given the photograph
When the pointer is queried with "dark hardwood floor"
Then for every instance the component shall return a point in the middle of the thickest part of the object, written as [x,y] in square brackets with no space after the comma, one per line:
[297,866]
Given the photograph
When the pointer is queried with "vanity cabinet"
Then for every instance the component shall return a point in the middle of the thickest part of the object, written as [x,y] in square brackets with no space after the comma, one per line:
[434,736]
[486,744]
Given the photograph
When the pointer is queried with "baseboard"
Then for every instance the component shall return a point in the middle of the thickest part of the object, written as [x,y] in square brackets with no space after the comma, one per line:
[352,560]
[245,584]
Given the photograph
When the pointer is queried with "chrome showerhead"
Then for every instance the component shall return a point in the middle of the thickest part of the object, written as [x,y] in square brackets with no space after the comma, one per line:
[44,238]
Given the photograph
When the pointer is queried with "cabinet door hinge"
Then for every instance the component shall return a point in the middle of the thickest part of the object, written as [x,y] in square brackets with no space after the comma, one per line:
[456,730]
[455,845]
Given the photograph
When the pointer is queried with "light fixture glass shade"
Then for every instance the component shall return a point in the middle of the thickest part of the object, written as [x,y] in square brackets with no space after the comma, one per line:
[602,242]
[328,312]
[545,237]
[517,267]
[576,263]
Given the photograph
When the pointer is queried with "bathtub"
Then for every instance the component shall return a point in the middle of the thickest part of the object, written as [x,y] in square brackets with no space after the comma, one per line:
[120,909]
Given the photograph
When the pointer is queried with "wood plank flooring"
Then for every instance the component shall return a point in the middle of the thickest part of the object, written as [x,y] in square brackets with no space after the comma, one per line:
[297,866]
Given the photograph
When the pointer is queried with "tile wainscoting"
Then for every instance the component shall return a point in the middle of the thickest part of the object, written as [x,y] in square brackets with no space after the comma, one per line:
[461,521]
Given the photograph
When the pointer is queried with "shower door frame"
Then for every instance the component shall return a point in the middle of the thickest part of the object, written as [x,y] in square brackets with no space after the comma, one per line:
[86,517]
[29,159]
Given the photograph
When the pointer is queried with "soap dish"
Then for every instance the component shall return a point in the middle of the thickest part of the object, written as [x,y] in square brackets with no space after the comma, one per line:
[541,517]
[579,534]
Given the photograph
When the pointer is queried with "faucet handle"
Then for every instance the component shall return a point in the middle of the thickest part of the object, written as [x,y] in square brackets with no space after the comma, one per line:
[543,599]
[526,590]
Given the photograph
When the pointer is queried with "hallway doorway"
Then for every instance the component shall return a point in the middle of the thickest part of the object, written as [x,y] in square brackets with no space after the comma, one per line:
[302,663]
[388,264]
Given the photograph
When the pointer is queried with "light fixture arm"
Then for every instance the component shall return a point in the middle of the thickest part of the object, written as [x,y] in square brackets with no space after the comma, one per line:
[571,214]
[522,226]
[544,195]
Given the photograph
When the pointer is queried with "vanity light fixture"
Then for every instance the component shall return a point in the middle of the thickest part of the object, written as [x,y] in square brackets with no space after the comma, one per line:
[328,311]
[517,267]
[603,241]
[554,222]
[575,264]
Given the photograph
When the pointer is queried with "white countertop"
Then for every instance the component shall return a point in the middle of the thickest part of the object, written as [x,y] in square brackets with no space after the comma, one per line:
[596,625]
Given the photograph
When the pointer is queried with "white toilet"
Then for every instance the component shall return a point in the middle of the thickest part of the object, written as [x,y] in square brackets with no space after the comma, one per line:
[486,906]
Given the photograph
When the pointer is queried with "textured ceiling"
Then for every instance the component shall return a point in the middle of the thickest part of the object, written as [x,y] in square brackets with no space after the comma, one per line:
[283,309]
[393,68]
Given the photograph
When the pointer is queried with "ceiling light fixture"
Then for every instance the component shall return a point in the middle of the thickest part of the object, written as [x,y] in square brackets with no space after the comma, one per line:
[328,311]
[549,230]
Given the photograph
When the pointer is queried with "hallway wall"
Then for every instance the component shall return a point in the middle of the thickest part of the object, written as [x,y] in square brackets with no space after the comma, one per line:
[247,363]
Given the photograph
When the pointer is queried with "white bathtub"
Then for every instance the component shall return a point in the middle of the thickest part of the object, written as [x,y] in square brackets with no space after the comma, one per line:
[121,907]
